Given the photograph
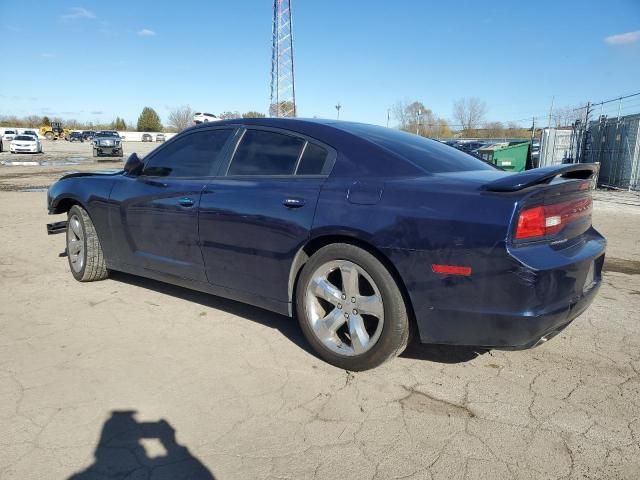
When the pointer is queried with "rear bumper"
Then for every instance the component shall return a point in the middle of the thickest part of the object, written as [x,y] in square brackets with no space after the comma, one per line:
[513,298]
[503,331]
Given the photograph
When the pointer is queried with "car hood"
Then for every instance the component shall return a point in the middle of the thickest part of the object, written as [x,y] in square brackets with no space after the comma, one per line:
[106,172]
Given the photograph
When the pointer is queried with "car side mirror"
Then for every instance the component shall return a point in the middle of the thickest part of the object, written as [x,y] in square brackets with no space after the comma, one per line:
[134,165]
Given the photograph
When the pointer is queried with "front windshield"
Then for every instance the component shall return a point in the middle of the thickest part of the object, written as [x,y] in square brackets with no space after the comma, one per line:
[24,137]
[106,134]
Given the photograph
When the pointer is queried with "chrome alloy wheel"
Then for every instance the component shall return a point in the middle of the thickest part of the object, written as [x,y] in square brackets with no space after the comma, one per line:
[344,308]
[75,244]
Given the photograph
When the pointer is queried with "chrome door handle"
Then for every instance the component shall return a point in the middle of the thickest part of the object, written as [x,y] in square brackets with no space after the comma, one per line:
[186,202]
[293,202]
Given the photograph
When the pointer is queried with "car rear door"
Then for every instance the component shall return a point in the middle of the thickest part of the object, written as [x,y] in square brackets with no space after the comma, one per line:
[258,212]
[156,217]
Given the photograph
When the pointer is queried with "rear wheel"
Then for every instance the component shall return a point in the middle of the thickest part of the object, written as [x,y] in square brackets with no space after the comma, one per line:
[350,308]
[48,136]
[83,247]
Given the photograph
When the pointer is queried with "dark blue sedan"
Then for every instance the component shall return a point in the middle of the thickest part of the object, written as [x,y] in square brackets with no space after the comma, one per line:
[362,232]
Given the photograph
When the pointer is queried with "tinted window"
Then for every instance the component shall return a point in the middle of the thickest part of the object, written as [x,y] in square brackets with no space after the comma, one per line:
[266,153]
[190,156]
[430,155]
[313,160]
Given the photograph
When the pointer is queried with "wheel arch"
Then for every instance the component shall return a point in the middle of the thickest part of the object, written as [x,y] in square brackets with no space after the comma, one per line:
[316,243]
[64,204]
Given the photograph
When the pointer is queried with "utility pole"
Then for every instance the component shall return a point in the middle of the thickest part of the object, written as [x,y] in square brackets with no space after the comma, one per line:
[533,128]
[388,116]
[418,124]
[338,107]
[550,111]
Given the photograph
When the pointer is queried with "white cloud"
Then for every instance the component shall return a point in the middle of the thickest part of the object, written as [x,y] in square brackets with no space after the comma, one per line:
[145,32]
[78,13]
[622,38]
[48,55]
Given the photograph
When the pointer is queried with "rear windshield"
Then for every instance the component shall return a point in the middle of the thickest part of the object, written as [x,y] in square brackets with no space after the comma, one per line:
[429,155]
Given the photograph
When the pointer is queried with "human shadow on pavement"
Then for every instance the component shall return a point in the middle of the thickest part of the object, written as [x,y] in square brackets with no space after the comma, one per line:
[287,326]
[120,452]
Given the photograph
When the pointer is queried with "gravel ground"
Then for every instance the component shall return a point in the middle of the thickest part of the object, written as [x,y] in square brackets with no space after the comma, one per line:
[130,378]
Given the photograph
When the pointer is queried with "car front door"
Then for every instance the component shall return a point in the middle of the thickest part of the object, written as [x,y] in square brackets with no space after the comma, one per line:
[258,212]
[157,215]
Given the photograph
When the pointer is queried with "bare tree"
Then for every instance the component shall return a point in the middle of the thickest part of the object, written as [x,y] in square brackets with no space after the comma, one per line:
[180,118]
[414,117]
[565,116]
[494,129]
[469,112]
[229,115]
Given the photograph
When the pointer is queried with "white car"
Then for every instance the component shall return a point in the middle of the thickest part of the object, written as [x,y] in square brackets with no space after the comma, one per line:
[204,117]
[9,134]
[25,144]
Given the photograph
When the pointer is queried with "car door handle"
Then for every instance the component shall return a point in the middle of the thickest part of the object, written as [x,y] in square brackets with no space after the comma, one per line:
[186,202]
[293,202]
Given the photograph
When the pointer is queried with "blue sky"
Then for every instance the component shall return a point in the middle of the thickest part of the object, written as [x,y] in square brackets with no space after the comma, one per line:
[94,60]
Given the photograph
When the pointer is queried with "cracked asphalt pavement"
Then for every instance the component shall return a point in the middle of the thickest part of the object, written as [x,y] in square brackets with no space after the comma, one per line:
[131,378]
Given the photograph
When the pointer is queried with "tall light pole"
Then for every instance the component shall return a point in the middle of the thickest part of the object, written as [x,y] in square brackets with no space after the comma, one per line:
[419,120]
[338,107]
[388,116]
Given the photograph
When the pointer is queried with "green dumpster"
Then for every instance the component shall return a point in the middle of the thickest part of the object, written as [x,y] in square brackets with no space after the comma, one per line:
[514,156]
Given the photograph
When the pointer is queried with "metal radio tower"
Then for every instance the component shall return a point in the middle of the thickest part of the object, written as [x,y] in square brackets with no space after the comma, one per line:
[283,91]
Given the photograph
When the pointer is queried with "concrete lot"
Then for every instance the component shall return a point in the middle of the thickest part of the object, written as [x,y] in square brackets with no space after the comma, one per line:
[136,379]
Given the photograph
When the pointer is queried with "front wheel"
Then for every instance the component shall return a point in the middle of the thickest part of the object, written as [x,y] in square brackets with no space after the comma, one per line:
[84,251]
[350,308]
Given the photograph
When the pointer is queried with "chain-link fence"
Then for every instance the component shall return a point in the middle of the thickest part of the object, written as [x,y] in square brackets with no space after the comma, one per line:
[615,144]
[613,140]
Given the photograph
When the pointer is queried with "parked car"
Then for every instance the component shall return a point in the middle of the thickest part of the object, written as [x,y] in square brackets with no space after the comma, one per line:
[160,137]
[146,137]
[9,134]
[200,117]
[360,230]
[88,135]
[75,137]
[107,143]
[470,146]
[30,132]
[25,144]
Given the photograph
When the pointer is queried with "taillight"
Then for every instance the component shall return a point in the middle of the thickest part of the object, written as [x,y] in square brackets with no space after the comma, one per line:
[546,220]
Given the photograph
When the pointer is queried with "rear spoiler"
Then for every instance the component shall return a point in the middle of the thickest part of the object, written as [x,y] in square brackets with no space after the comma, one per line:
[538,176]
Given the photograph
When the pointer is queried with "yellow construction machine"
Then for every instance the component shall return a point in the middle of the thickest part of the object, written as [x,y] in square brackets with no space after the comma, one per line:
[54,131]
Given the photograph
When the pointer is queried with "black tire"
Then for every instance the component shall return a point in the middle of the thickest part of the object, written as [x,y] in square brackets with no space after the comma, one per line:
[94,266]
[396,328]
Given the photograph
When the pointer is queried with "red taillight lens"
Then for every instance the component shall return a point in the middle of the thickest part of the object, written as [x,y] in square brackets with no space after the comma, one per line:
[549,219]
[531,223]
